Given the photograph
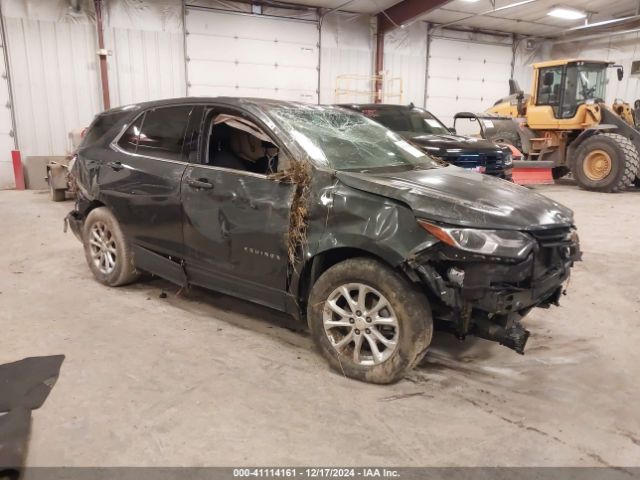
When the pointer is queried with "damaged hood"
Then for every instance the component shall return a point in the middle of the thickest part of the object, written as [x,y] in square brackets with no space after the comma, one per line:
[448,145]
[454,196]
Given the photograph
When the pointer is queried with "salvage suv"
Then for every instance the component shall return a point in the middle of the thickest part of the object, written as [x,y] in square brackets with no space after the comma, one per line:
[322,213]
[423,129]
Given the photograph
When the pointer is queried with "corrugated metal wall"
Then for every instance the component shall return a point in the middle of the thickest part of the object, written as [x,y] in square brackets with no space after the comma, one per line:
[7,140]
[54,79]
[54,64]
[405,57]
[622,50]
[347,49]
[144,65]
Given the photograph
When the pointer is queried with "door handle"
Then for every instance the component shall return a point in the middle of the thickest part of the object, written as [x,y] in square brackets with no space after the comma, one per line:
[117,166]
[202,183]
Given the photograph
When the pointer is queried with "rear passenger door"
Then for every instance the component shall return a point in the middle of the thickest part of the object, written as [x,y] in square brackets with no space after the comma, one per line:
[140,179]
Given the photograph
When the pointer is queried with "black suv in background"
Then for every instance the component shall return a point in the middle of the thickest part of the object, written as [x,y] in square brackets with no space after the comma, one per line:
[424,130]
[322,213]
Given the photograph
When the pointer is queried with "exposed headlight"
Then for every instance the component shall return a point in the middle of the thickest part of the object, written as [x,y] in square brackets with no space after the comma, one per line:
[499,243]
[508,160]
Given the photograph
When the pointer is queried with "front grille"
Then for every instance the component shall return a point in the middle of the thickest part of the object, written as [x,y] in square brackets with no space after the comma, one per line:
[553,237]
[489,161]
[556,248]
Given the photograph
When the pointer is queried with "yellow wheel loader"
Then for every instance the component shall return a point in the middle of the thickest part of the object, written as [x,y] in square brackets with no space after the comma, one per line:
[565,124]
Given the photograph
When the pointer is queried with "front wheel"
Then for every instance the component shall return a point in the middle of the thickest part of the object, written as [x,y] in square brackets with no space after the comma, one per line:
[368,321]
[107,250]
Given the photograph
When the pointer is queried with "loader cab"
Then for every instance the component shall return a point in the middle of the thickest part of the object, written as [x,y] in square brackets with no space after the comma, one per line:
[562,90]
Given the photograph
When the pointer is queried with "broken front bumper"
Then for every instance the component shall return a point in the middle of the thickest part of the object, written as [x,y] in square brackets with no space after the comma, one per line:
[487,297]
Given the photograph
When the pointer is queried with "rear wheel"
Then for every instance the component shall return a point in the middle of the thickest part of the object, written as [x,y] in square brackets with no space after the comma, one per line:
[368,321]
[107,250]
[606,163]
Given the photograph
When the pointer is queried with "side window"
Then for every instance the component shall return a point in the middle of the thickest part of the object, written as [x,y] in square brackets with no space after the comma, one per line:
[162,132]
[129,140]
[549,87]
[100,126]
[236,143]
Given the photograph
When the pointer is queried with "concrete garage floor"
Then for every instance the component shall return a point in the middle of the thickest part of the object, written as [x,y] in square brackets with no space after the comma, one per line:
[205,379]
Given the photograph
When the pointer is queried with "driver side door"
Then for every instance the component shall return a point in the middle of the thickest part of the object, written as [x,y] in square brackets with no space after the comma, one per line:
[236,227]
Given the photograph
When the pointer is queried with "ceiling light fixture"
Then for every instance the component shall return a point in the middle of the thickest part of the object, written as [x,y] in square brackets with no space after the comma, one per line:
[470,1]
[567,13]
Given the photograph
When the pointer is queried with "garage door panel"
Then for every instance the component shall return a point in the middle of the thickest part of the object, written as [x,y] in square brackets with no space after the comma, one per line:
[444,66]
[498,74]
[251,27]
[251,55]
[251,51]
[442,87]
[229,74]
[465,76]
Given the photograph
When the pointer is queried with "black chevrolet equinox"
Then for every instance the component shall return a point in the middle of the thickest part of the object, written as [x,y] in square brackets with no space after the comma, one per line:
[322,213]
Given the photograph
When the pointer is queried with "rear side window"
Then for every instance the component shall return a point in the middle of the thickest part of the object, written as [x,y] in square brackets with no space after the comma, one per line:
[101,125]
[129,140]
[162,132]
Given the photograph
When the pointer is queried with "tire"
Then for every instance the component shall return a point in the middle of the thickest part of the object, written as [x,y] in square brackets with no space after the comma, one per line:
[559,172]
[623,161]
[511,138]
[110,257]
[408,339]
[56,194]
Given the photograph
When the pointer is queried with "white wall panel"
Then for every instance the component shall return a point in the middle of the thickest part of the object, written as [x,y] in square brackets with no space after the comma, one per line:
[251,55]
[466,76]
[347,49]
[55,81]
[524,58]
[405,56]
[55,72]
[621,50]
[6,127]
[144,65]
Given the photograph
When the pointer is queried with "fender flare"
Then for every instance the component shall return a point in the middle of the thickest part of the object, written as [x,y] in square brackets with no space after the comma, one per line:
[588,133]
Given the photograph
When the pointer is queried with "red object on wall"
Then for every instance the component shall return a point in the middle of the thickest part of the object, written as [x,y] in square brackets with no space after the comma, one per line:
[18,172]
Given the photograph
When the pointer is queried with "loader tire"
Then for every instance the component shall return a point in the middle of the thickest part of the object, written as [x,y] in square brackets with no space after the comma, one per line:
[606,162]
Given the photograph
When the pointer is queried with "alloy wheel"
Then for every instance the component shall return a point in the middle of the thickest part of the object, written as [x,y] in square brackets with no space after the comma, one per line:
[361,324]
[103,248]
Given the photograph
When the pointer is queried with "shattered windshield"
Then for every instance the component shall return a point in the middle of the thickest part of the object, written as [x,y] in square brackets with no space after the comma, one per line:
[345,140]
[414,121]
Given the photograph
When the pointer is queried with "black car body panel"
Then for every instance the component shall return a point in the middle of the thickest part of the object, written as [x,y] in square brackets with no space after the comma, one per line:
[231,231]
[466,152]
[457,197]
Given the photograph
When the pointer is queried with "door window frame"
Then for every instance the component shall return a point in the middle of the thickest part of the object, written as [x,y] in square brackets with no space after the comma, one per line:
[203,143]
[183,157]
[557,109]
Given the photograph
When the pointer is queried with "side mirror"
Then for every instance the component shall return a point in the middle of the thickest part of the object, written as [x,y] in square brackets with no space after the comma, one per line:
[620,73]
[452,130]
[548,78]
